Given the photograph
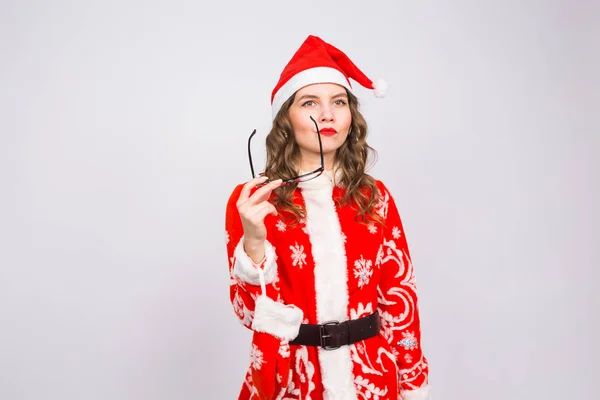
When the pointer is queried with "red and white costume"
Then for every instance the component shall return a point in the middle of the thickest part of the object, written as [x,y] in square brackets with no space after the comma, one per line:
[327,268]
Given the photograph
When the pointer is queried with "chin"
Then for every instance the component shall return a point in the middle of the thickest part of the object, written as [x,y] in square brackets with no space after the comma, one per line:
[328,148]
[330,145]
[332,142]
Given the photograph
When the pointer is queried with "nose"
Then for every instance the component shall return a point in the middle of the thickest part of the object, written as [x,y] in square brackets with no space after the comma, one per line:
[327,114]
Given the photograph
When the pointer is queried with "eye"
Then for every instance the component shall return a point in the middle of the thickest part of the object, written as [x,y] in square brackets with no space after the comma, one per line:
[340,102]
[308,103]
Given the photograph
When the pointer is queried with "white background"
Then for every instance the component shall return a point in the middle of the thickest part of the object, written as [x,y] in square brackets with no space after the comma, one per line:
[123,131]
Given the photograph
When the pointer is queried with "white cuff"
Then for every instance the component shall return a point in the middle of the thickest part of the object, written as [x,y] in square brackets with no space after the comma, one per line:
[244,269]
[277,319]
[421,393]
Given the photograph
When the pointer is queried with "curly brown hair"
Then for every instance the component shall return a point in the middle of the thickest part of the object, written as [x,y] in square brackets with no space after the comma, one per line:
[351,161]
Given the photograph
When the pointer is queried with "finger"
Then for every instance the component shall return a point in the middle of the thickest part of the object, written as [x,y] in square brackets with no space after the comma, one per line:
[262,196]
[245,193]
[251,211]
[261,211]
[270,208]
[264,192]
[259,196]
[248,212]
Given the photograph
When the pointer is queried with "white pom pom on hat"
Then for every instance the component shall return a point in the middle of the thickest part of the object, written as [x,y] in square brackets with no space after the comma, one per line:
[380,88]
[319,62]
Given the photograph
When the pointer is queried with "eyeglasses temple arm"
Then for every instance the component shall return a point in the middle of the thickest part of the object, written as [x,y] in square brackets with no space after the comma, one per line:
[320,143]
[250,154]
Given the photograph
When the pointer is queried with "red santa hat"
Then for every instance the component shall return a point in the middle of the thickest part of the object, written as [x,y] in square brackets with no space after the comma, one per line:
[319,62]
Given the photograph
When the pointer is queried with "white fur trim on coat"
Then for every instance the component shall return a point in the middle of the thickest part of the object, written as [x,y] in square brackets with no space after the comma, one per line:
[331,282]
[421,393]
[277,319]
[245,270]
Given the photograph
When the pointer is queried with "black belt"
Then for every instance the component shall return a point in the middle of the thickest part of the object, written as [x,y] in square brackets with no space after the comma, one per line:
[334,334]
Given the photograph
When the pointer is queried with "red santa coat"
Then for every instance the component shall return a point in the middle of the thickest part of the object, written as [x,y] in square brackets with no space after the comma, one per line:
[328,268]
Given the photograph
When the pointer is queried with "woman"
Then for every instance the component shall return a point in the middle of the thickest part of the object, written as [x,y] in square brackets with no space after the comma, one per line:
[319,264]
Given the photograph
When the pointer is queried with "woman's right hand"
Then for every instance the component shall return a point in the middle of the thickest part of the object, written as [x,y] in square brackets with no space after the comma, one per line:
[253,210]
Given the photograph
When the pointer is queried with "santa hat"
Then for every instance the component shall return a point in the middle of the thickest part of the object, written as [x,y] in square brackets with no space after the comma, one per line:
[319,62]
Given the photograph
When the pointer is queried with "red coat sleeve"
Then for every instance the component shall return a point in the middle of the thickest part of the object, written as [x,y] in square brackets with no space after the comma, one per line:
[256,300]
[244,287]
[398,302]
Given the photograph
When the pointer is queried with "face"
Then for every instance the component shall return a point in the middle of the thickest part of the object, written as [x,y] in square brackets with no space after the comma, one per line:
[327,103]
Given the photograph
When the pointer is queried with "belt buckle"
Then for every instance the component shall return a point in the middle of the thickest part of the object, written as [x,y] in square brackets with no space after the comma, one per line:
[322,335]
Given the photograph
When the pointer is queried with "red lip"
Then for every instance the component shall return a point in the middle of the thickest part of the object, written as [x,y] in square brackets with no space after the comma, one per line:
[327,131]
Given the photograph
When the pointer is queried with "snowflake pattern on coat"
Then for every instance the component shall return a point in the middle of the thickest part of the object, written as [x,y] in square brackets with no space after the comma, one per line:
[363,271]
[372,228]
[409,341]
[281,226]
[298,255]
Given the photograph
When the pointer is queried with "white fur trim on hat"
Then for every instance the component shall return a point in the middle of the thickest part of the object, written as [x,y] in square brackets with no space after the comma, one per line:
[305,78]
[277,319]
[244,270]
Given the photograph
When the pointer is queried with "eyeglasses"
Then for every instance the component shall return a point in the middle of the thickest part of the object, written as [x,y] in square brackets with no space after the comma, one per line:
[300,178]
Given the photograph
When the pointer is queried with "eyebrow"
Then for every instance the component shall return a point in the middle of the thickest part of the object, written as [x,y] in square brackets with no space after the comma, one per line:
[313,97]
